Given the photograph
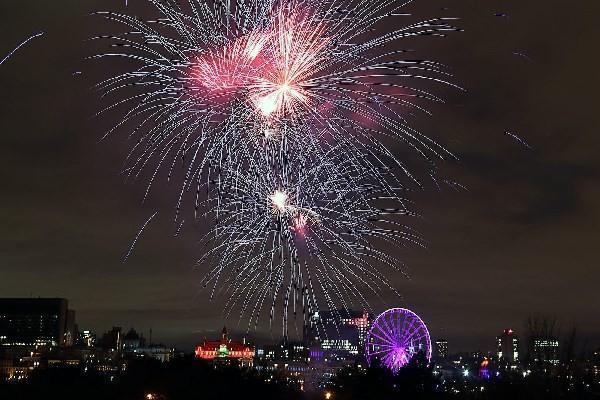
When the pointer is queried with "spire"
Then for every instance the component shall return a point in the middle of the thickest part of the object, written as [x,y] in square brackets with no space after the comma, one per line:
[224,334]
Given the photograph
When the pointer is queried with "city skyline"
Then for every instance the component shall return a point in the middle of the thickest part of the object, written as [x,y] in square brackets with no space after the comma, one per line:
[521,240]
[347,334]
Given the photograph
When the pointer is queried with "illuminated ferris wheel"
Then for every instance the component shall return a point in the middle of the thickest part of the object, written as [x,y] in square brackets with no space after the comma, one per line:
[395,337]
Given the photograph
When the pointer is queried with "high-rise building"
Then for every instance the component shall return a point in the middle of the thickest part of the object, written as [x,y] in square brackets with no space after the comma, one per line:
[113,339]
[361,322]
[441,349]
[87,339]
[36,322]
[545,351]
[338,333]
[508,347]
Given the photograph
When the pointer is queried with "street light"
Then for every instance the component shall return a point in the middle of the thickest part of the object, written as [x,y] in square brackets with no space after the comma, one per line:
[328,395]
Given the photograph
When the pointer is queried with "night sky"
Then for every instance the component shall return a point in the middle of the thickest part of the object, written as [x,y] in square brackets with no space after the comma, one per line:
[521,238]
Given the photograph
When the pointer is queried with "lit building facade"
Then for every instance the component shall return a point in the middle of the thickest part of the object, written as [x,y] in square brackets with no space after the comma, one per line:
[335,340]
[285,352]
[361,322]
[286,360]
[545,351]
[87,339]
[226,351]
[441,349]
[339,334]
[36,322]
[157,352]
[508,348]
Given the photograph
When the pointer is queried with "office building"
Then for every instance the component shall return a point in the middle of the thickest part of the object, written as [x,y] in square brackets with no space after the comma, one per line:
[545,351]
[36,322]
[340,334]
[508,347]
[441,349]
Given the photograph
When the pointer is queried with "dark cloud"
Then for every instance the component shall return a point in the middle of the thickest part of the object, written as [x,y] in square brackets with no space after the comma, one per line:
[544,191]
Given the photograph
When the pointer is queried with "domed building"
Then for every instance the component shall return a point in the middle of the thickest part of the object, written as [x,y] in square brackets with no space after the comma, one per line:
[226,351]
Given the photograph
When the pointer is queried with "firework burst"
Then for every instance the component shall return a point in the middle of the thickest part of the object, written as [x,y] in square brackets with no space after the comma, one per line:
[283,116]
[307,239]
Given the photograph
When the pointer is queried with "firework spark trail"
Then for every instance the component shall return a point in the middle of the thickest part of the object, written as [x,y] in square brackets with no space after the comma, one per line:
[20,45]
[283,117]
[519,140]
[140,231]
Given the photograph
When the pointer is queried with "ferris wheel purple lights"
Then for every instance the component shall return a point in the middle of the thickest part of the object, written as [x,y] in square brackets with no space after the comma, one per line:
[395,337]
